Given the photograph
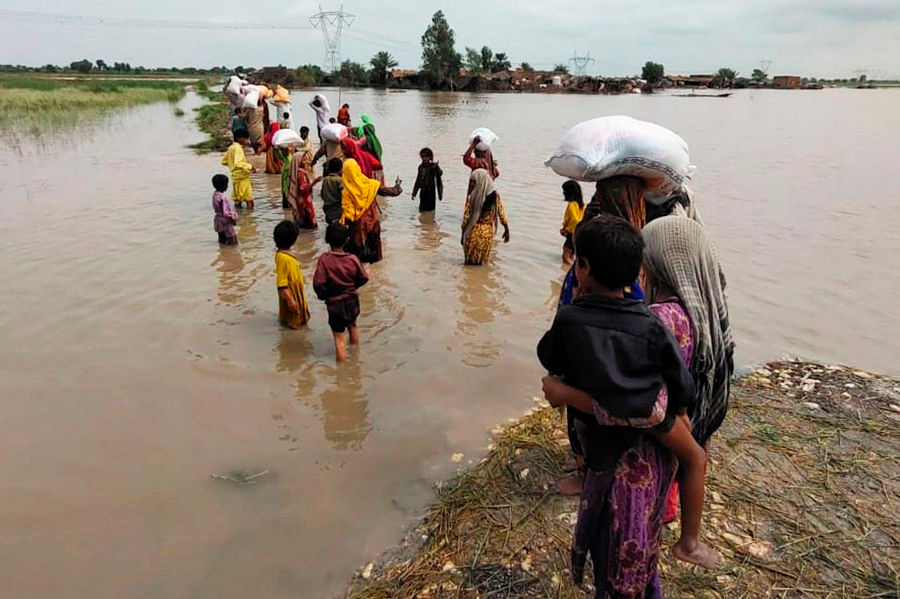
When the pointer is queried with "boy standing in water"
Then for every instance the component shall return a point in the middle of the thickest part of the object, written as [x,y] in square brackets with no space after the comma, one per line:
[338,277]
[293,311]
[429,181]
[236,161]
[225,217]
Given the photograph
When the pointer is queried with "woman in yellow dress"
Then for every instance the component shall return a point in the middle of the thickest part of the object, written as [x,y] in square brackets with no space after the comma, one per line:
[360,212]
[574,213]
[484,209]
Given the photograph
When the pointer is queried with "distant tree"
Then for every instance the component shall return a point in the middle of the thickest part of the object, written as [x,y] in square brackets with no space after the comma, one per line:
[82,66]
[353,73]
[724,78]
[472,60]
[101,65]
[759,76]
[309,75]
[561,69]
[653,72]
[500,63]
[440,60]
[381,63]
[50,68]
[525,67]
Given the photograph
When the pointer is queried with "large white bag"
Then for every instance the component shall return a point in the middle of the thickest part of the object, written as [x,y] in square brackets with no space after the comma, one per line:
[251,96]
[323,101]
[335,132]
[486,138]
[234,85]
[620,145]
[286,137]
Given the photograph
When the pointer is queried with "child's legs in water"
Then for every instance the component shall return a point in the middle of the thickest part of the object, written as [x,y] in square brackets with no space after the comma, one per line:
[354,334]
[340,346]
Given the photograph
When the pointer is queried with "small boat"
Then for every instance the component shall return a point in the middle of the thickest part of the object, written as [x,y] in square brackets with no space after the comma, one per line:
[725,95]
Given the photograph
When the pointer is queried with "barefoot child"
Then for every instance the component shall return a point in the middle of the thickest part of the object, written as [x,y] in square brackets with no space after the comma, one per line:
[429,181]
[236,161]
[226,218]
[293,311]
[574,214]
[338,277]
[617,352]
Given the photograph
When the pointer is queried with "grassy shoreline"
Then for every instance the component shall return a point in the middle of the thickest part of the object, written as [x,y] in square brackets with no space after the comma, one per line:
[802,495]
[213,119]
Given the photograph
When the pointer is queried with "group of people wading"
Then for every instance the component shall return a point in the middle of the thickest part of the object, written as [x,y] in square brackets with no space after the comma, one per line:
[352,181]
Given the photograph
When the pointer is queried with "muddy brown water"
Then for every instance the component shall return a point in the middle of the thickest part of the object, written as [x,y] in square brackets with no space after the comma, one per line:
[138,358]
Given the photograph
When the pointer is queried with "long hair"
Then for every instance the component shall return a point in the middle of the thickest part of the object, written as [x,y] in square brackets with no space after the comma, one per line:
[621,196]
[572,192]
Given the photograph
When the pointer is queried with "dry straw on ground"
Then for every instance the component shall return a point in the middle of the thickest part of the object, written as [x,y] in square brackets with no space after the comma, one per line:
[803,495]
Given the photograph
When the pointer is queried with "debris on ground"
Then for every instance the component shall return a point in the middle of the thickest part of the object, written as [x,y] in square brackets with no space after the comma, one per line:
[802,501]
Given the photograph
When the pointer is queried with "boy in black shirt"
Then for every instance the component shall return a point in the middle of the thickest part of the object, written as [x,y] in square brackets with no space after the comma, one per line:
[428,181]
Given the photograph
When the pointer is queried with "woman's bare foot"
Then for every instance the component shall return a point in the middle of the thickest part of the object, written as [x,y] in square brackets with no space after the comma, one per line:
[700,555]
[571,485]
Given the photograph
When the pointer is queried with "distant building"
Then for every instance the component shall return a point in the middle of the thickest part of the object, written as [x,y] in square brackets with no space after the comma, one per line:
[691,80]
[787,82]
[403,73]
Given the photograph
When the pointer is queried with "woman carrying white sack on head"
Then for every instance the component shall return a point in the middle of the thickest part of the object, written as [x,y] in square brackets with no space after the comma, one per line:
[320,105]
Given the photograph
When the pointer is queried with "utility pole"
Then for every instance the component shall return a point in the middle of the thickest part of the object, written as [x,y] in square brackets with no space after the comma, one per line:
[764,66]
[581,63]
[332,23]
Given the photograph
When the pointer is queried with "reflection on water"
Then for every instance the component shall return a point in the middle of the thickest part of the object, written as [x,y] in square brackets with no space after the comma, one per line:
[345,409]
[138,356]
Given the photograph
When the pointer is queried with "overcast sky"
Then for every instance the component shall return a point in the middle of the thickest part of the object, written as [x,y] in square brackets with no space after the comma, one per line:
[827,38]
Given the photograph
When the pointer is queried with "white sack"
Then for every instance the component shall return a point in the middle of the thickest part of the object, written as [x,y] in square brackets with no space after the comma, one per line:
[620,145]
[286,137]
[487,138]
[334,132]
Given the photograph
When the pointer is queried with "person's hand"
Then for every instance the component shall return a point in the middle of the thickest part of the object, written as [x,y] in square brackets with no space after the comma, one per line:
[506,235]
[252,169]
[414,195]
[553,390]
[476,141]
[563,232]
[292,306]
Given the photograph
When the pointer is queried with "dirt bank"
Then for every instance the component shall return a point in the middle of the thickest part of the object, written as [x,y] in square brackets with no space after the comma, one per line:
[803,493]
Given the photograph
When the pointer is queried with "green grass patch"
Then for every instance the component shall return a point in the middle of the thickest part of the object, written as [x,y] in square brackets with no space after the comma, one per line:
[213,119]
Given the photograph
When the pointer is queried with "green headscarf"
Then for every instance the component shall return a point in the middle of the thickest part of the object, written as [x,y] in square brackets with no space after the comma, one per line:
[367,130]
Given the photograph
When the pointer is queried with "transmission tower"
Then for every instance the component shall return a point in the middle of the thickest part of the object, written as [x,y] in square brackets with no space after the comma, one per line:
[581,63]
[765,65]
[332,23]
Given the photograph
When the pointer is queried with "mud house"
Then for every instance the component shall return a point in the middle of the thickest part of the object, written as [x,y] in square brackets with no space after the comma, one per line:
[787,82]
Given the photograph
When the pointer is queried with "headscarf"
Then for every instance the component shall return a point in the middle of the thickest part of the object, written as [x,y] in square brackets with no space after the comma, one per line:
[359,191]
[273,129]
[367,163]
[482,187]
[367,130]
[679,253]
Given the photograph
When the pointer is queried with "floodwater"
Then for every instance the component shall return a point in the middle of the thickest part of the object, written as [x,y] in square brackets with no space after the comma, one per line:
[138,358]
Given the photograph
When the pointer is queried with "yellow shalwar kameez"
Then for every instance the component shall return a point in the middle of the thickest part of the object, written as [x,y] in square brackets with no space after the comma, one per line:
[236,161]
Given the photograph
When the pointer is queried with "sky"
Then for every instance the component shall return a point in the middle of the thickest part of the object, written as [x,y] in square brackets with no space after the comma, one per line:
[822,38]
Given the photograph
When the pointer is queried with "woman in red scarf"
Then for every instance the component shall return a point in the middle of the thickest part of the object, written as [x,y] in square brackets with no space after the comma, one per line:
[273,155]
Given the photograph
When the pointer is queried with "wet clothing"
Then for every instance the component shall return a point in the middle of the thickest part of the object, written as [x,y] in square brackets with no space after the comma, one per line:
[236,161]
[339,275]
[573,215]
[299,195]
[429,185]
[225,218]
[343,116]
[360,212]
[273,154]
[255,125]
[237,124]
[617,351]
[288,276]
[331,198]
[367,130]
[483,211]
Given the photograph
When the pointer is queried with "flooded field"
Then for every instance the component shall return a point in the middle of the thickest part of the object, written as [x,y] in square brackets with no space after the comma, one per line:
[138,358]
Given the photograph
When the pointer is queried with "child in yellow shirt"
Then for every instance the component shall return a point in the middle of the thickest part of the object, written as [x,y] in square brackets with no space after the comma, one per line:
[574,214]
[236,161]
[293,311]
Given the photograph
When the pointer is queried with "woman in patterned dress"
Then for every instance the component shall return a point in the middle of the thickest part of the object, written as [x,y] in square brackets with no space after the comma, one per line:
[484,209]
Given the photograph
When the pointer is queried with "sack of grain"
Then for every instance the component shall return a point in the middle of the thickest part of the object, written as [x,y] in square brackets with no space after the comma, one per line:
[234,85]
[486,138]
[251,96]
[282,96]
[620,145]
[286,137]
[334,132]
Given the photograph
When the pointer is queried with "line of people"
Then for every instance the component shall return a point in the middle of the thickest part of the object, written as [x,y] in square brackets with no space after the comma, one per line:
[352,181]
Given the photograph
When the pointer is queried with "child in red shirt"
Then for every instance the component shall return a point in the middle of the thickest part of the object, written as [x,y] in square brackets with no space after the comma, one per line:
[338,277]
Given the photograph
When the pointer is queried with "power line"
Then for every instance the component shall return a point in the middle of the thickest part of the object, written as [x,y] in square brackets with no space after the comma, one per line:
[581,63]
[332,23]
[27,16]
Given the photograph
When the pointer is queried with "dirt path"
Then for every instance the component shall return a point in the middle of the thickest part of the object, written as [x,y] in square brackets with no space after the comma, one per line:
[803,496]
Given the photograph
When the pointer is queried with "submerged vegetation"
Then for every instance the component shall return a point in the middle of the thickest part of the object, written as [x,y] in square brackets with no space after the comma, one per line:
[213,119]
[802,500]
[32,105]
